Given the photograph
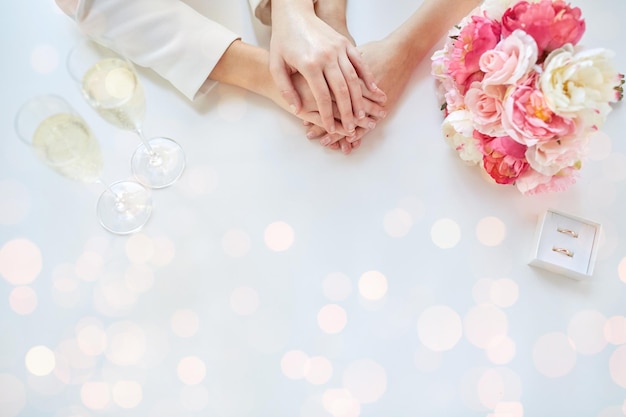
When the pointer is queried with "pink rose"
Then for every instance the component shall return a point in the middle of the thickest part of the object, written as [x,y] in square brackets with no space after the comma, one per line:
[551,23]
[503,158]
[510,60]
[532,182]
[528,119]
[485,105]
[479,35]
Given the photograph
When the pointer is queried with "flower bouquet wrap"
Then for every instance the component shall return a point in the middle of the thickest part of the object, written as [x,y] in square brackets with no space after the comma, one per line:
[520,97]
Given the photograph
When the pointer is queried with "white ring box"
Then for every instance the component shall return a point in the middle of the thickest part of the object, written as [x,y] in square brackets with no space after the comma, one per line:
[565,244]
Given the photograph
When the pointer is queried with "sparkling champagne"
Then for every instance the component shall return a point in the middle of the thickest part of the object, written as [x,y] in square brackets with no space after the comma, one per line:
[111,87]
[66,144]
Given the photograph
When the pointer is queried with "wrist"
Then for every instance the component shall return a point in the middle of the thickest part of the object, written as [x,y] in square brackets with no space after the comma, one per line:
[246,66]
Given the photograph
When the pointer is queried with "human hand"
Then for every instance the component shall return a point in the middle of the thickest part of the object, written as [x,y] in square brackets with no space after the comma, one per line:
[341,140]
[392,69]
[331,65]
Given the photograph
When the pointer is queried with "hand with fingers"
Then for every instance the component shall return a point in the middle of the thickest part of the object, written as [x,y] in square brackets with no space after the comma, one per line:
[332,66]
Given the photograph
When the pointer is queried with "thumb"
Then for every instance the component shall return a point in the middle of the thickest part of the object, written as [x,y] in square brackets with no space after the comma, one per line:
[282,78]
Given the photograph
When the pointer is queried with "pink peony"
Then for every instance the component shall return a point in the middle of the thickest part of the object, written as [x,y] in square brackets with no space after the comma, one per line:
[532,182]
[551,23]
[528,119]
[503,158]
[477,37]
[549,158]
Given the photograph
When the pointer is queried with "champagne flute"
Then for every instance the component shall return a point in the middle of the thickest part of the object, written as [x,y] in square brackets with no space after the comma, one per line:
[61,138]
[111,86]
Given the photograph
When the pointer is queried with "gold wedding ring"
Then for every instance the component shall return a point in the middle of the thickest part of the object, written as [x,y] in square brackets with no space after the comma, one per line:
[568,232]
[563,251]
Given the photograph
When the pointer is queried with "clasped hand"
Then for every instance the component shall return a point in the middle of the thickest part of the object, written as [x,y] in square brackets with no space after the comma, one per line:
[322,76]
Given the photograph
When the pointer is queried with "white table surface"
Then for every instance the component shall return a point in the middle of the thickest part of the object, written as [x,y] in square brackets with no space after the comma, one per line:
[277,278]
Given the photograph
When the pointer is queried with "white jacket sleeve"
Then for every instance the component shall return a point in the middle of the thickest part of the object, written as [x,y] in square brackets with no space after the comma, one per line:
[168,36]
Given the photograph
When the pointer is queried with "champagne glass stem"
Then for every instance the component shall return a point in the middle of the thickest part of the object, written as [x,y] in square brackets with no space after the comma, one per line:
[120,203]
[155,159]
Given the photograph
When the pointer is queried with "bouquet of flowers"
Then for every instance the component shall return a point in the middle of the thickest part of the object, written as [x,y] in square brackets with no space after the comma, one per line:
[520,97]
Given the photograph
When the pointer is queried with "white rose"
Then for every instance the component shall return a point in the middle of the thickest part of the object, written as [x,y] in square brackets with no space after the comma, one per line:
[580,84]
[458,131]
[495,8]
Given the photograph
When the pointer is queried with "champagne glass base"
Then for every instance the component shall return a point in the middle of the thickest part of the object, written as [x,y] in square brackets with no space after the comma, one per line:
[161,168]
[124,207]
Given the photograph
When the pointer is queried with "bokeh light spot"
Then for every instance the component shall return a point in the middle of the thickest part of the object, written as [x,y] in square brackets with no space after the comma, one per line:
[439,328]
[127,343]
[366,380]
[622,270]
[23,300]
[501,350]
[397,223]
[337,286]
[615,330]
[445,233]
[279,236]
[95,395]
[164,251]
[554,355]
[244,301]
[485,324]
[185,323]
[89,266]
[586,331]
[139,278]
[40,360]
[341,403]
[191,370]
[320,370]
[332,319]
[504,292]
[508,409]
[295,364]
[20,261]
[373,285]
[617,366]
[91,339]
[140,248]
[490,231]
[127,394]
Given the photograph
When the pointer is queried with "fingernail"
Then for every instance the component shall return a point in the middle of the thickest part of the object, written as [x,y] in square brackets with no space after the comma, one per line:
[351,127]
[382,114]
[371,125]
[292,107]
[325,141]
[361,114]
[310,135]
[344,147]
[351,138]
